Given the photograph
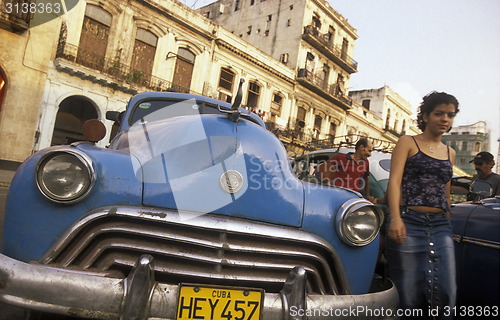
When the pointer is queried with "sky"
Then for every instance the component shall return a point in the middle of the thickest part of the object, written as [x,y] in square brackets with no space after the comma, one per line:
[419,46]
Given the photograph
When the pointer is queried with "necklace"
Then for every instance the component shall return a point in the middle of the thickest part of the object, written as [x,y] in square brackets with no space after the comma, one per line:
[431,148]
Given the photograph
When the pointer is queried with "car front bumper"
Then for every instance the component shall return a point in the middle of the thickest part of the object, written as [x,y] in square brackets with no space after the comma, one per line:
[139,296]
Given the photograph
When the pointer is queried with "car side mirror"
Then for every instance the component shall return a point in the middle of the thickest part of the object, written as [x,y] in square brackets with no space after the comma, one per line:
[115,116]
[481,188]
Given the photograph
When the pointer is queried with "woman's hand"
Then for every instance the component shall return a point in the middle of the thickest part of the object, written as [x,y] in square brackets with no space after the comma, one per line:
[397,230]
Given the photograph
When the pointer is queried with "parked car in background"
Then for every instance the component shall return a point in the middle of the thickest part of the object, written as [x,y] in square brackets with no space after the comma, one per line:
[192,212]
[380,165]
[475,225]
[476,231]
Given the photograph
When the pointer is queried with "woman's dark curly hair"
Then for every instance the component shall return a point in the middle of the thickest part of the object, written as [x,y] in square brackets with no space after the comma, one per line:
[431,101]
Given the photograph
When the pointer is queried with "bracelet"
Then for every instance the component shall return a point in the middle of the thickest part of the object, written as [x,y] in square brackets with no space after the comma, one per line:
[391,220]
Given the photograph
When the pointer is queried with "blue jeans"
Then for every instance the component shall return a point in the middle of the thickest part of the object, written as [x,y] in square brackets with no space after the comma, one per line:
[423,267]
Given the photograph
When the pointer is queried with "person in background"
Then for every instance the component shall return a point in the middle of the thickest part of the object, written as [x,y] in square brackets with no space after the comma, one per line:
[484,163]
[349,170]
[419,245]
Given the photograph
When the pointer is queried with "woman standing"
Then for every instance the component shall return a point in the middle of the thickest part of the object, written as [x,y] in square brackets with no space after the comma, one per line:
[420,249]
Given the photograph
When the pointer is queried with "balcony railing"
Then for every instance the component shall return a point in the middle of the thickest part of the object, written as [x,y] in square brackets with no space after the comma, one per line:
[121,73]
[16,14]
[288,134]
[334,90]
[325,41]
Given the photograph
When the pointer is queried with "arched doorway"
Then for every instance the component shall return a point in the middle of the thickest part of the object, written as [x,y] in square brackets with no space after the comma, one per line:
[72,114]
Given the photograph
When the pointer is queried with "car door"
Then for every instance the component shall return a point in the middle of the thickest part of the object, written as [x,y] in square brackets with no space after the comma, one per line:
[479,263]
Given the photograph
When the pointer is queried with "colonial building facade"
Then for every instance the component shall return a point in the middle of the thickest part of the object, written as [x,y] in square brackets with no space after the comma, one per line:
[315,41]
[394,111]
[92,59]
[467,141]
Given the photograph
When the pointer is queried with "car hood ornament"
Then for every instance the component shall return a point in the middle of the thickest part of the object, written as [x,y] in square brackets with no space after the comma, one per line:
[231,181]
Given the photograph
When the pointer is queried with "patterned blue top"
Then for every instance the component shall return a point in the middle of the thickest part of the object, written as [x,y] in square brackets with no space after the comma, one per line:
[424,180]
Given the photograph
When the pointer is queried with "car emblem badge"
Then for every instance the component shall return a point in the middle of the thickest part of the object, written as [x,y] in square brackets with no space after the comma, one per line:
[231,181]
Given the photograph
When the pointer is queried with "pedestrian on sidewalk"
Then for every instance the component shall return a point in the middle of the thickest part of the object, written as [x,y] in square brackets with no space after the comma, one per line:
[419,247]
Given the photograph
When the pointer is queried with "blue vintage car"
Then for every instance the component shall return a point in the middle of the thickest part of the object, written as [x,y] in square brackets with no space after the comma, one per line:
[192,212]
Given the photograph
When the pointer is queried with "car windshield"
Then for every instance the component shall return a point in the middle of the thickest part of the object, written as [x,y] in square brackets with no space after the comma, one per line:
[151,110]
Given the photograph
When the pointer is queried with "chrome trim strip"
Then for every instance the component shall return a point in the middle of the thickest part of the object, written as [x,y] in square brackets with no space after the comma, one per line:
[70,247]
[482,242]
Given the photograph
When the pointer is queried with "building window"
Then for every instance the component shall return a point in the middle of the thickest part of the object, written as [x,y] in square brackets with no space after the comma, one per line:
[143,55]
[249,30]
[207,14]
[226,82]
[330,35]
[300,122]
[183,71]
[276,104]
[94,38]
[252,2]
[345,46]
[462,161]
[453,145]
[226,79]
[333,129]
[301,115]
[253,95]
[477,146]
[464,146]
[284,58]
[317,122]
[366,103]
[316,22]
[388,119]
[237,5]
[310,63]
[325,75]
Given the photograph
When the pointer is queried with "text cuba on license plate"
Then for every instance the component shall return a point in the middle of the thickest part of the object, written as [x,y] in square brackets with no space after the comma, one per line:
[211,303]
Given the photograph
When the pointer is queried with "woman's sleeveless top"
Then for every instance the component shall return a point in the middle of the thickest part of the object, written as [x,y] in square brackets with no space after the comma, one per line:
[425,179]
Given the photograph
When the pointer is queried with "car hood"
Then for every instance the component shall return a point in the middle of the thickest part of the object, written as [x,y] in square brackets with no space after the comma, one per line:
[208,164]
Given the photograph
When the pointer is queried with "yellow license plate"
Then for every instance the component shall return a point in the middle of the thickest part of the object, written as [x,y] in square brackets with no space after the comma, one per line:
[215,303]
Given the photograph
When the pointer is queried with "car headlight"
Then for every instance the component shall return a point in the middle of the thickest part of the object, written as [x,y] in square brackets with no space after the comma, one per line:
[65,175]
[358,222]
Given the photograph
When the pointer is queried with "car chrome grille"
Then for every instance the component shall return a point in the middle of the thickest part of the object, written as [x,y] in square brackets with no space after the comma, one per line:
[208,249]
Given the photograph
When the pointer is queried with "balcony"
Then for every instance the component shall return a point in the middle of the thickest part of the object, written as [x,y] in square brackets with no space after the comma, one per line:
[391,132]
[15,14]
[331,92]
[323,44]
[290,135]
[109,72]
